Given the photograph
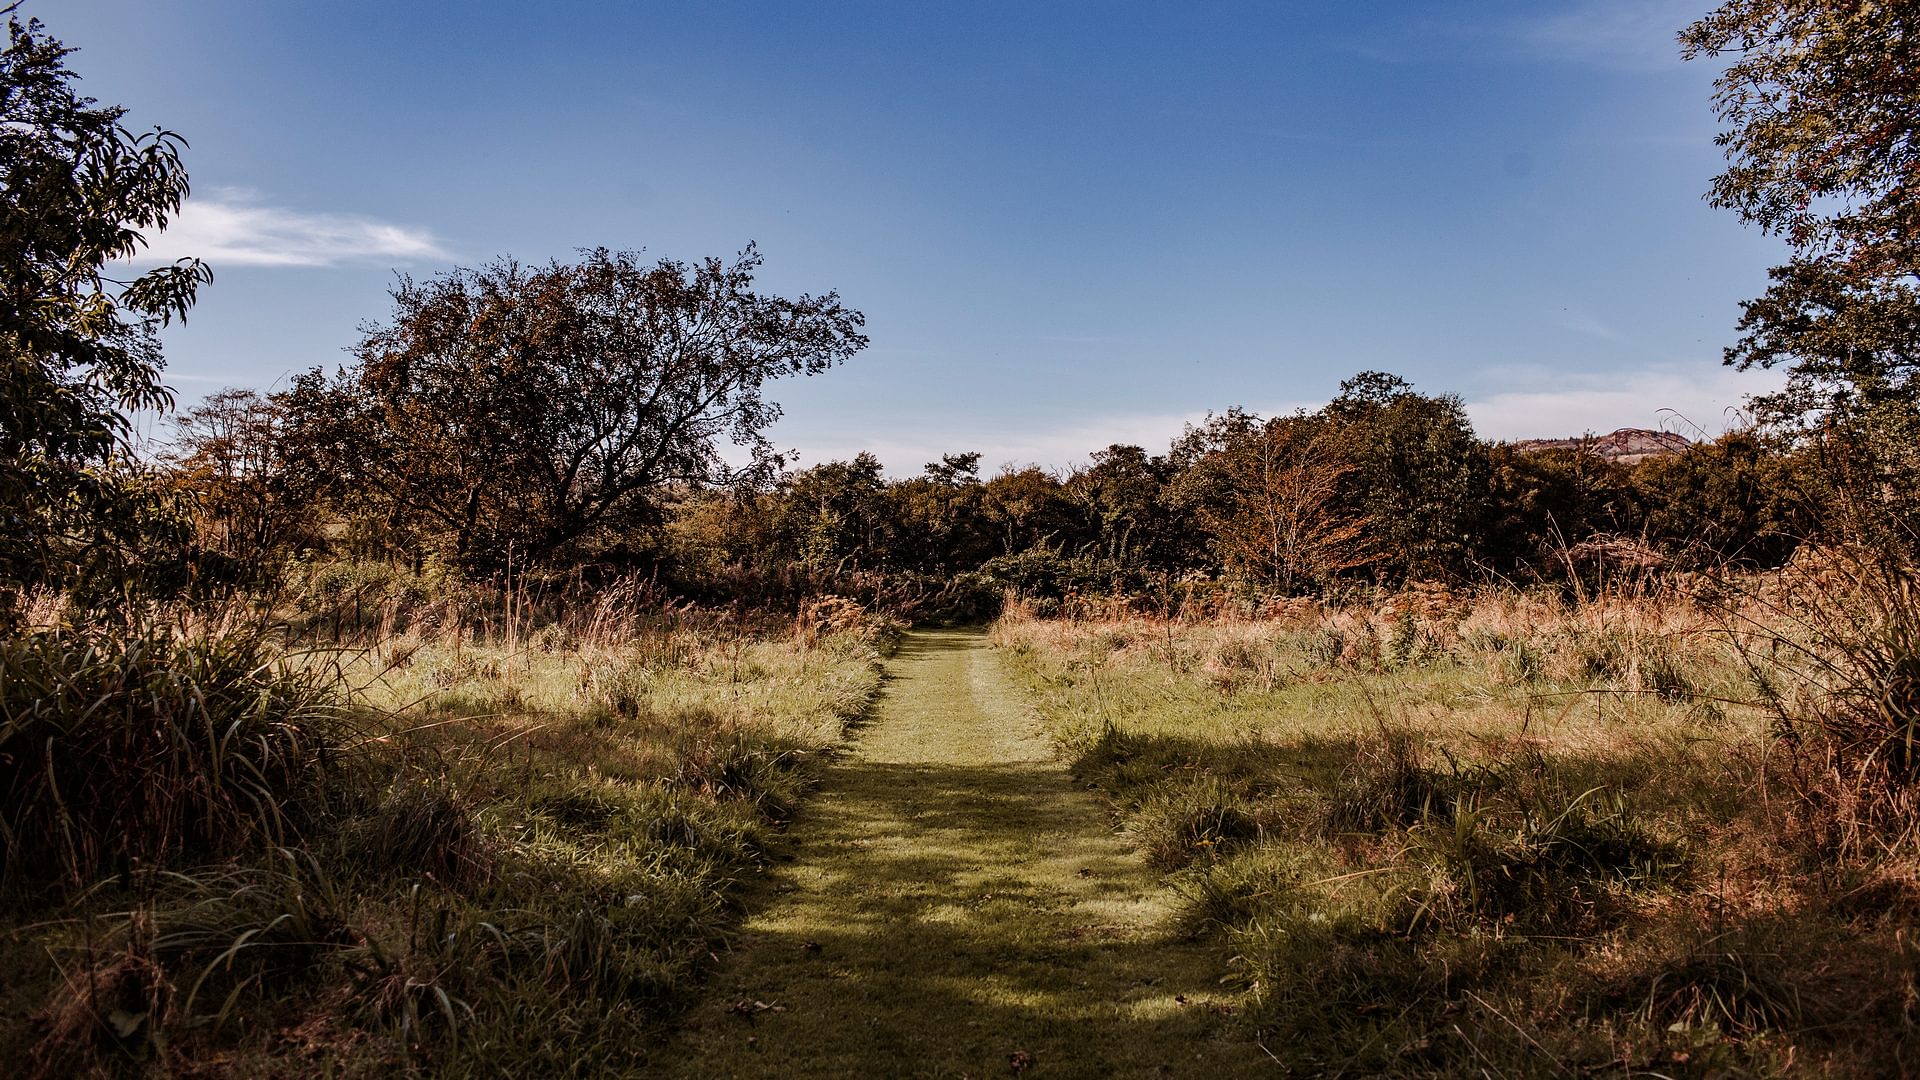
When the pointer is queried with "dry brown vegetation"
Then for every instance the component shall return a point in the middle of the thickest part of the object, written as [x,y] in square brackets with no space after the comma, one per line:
[455,832]
[1444,831]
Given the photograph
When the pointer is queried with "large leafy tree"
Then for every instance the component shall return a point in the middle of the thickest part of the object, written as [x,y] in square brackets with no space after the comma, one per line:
[535,407]
[1131,520]
[1821,106]
[836,516]
[78,345]
[1541,502]
[1821,102]
[253,503]
[1417,473]
[1027,508]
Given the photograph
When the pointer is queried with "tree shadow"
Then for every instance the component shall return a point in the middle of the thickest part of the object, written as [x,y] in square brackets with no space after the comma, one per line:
[943,919]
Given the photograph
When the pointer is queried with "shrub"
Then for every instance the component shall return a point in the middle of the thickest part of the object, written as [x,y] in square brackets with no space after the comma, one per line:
[1388,785]
[423,825]
[1843,682]
[1551,868]
[735,765]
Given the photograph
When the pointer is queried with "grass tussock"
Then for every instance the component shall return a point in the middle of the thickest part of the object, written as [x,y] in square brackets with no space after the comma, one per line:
[131,752]
[1451,833]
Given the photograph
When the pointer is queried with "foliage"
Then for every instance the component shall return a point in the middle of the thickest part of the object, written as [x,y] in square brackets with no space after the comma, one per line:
[1819,105]
[1129,518]
[1283,525]
[531,408]
[1044,574]
[1418,473]
[1822,111]
[1729,501]
[837,514]
[1543,501]
[252,505]
[1383,483]
[77,346]
[1026,508]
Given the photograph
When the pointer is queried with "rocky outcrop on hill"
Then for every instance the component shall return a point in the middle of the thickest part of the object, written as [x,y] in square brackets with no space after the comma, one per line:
[1626,445]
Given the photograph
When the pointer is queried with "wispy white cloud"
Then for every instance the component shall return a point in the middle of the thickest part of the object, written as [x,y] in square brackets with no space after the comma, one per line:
[1613,33]
[1585,322]
[234,228]
[1696,401]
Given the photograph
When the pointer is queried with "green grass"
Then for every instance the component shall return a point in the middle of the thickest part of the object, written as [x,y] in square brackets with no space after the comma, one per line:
[1499,836]
[528,855]
[958,906]
[1494,837]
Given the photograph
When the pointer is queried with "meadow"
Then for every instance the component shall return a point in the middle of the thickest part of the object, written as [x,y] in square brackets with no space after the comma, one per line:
[411,825]
[408,828]
[503,700]
[1492,832]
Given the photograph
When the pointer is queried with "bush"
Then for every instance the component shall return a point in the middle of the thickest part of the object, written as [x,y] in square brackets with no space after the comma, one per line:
[1042,574]
[1388,785]
[1554,867]
[121,752]
[424,825]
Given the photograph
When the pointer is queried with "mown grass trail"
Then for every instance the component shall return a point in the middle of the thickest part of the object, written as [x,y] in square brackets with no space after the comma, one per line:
[957,907]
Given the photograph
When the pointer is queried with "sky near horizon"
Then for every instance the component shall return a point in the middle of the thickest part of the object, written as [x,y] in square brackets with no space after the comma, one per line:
[1068,224]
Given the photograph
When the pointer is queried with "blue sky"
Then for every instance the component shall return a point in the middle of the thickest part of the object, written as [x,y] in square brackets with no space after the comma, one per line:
[1068,224]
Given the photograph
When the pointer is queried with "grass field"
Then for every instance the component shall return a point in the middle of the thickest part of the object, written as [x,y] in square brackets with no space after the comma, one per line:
[958,907]
[523,851]
[1489,834]
[1493,835]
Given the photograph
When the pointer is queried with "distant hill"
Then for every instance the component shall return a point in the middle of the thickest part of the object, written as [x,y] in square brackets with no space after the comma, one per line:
[1626,446]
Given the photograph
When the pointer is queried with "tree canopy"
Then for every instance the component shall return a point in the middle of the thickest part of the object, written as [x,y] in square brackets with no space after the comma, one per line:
[77,345]
[532,406]
[1821,102]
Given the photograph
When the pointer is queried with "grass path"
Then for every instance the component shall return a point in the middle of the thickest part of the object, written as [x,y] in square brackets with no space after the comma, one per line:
[957,907]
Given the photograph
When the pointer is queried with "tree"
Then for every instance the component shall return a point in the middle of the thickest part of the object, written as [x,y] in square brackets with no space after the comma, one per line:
[1822,111]
[1027,508]
[1542,502]
[1721,502]
[77,345]
[1131,517]
[1283,525]
[1418,472]
[252,504]
[835,515]
[508,406]
[940,527]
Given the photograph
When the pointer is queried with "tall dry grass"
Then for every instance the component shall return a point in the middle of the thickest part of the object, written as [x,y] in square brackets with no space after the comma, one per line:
[1443,831]
[471,835]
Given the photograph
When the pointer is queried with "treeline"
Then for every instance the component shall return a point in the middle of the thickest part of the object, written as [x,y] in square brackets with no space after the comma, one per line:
[1382,485]
[574,418]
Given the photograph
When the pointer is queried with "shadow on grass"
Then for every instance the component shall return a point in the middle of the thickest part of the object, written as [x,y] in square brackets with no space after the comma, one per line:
[946,927]
[956,915]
